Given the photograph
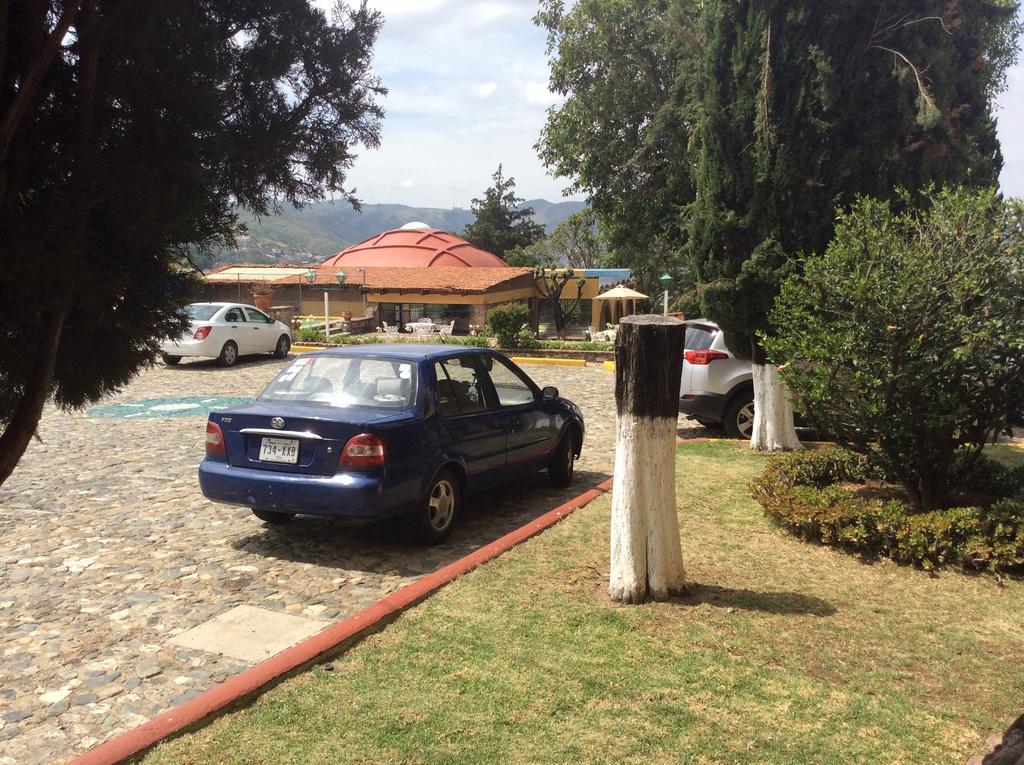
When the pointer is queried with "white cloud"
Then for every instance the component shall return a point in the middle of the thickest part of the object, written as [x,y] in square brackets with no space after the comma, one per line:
[406,184]
[485,90]
[537,93]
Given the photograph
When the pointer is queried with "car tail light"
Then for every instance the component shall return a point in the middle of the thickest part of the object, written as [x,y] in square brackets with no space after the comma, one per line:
[362,451]
[202,332]
[215,441]
[703,358]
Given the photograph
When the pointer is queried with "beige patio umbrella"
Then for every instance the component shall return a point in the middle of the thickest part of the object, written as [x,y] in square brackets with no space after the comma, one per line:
[620,295]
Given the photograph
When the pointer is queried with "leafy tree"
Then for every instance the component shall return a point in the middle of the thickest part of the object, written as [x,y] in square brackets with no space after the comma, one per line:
[724,134]
[532,256]
[906,337]
[550,283]
[129,132]
[575,242]
[501,224]
[803,105]
[622,133]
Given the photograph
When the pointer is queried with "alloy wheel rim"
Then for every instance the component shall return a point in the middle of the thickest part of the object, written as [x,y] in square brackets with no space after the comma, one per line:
[282,346]
[442,505]
[745,420]
[229,354]
[569,459]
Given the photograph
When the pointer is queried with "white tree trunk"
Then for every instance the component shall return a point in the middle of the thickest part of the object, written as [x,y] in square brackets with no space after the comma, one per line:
[646,554]
[647,557]
[773,412]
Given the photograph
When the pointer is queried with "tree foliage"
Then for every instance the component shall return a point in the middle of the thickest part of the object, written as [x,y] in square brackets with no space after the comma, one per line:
[501,223]
[802,105]
[622,133]
[906,337]
[129,132]
[574,243]
[550,284]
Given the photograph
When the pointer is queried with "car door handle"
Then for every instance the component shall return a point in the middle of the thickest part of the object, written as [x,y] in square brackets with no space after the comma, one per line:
[515,422]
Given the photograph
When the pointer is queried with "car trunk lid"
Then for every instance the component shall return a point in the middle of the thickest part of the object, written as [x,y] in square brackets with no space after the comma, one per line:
[292,438]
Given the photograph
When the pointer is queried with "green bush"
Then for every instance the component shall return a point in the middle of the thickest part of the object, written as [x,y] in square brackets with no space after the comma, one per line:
[510,324]
[470,340]
[906,336]
[801,492]
[312,335]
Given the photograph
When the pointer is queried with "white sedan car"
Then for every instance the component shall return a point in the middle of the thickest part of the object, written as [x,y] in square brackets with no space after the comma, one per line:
[226,331]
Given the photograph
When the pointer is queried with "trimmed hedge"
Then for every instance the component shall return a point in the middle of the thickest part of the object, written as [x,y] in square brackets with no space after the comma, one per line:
[801,493]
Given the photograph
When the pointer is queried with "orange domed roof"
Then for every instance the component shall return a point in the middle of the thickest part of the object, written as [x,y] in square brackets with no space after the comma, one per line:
[416,248]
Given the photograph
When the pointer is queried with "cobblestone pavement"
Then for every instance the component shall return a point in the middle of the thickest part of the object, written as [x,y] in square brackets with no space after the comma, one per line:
[108,550]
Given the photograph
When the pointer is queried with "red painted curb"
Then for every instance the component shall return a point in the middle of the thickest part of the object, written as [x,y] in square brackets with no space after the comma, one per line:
[173,720]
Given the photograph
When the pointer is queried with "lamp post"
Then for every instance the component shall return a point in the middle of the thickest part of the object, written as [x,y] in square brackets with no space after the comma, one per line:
[310,277]
[665,279]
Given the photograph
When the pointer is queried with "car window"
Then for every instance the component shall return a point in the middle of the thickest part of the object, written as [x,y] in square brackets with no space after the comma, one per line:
[698,338]
[256,317]
[234,314]
[458,387]
[345,381]
[202,311]
[511,388]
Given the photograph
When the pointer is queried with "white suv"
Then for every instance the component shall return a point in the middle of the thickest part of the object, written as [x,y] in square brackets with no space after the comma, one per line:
[717,389]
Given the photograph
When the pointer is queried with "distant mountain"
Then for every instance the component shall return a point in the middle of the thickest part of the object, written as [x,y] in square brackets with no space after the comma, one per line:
[318,231]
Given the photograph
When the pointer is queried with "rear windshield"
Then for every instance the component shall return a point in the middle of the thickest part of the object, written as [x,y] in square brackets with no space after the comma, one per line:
[699,338]
[345,381]
[202,311]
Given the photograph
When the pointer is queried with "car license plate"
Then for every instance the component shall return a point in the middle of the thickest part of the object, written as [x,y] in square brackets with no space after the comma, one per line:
[280,450]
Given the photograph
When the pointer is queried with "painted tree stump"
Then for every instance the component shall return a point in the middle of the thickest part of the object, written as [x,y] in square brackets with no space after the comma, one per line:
[646,555]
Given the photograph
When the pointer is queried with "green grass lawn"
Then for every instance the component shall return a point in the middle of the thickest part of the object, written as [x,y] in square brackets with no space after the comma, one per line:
[783,652]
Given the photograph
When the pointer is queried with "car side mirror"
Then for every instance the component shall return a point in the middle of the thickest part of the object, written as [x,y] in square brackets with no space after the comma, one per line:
[550,393]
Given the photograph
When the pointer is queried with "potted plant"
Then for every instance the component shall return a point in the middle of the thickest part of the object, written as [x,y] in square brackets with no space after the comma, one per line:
[262,296]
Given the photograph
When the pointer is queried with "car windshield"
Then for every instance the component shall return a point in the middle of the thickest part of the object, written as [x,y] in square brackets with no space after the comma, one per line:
[202,311]
[345,381]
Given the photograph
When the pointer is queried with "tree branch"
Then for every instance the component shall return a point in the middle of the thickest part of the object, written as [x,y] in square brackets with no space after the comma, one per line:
[33,80]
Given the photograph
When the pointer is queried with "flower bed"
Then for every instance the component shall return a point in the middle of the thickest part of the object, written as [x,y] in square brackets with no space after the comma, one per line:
[834,497]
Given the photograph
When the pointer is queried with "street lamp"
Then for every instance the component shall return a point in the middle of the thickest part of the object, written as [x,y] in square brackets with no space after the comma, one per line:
[665,280]
[362,271]
[309,276]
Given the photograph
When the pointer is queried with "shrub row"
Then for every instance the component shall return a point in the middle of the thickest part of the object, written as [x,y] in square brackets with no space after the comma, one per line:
[800,492]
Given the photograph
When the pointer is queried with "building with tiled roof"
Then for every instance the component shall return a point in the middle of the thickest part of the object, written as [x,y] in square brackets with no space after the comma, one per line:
[396,278]
[415,245]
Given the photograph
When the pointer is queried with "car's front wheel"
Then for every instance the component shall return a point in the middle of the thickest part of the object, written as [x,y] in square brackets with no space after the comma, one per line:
[229,354]
[561,464]
[437,515]
[739,416]
[284,344]
[271,516]
[170,360]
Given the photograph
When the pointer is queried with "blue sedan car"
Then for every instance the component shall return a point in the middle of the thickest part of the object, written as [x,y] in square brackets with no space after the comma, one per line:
[379,431]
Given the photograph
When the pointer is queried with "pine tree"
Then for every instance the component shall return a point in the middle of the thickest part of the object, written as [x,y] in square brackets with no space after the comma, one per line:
[804,105]
[129,133]
[500,223]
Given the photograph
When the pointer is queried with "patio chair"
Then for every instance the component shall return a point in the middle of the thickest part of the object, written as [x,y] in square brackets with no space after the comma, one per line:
[388,329]
[446,330]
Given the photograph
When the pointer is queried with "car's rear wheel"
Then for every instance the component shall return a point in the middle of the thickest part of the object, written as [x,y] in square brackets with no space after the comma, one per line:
[561,464]
[437,515]
[739,416]
[284,344]
[170,360]
[229,354]
[271,516]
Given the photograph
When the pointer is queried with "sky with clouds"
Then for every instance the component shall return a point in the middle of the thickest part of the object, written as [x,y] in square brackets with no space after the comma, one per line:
[468,89]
